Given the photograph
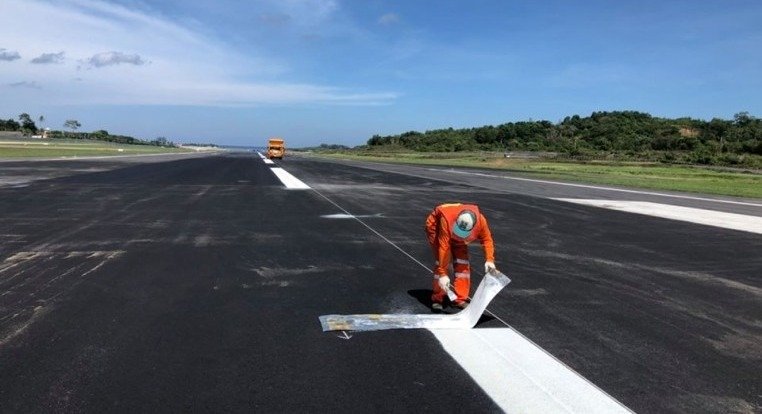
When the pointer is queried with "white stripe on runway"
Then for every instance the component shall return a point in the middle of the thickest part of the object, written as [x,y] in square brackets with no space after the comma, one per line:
[732,221]
[268,161]
[289,180]
[597,187]
[474,350]
[520,376]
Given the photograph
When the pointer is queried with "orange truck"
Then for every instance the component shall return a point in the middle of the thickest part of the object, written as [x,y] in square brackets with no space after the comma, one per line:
[276,148]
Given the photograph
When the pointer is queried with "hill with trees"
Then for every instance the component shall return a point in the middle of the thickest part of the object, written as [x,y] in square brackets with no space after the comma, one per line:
[623,135]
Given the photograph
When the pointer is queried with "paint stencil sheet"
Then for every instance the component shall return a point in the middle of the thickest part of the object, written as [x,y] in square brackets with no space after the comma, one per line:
[490,286]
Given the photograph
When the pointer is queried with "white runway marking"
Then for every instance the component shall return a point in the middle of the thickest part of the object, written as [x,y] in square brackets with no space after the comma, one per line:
[289,180]
[520,376]
[268,161]
[350,216]
[540,382]
[731,221]
[595,187]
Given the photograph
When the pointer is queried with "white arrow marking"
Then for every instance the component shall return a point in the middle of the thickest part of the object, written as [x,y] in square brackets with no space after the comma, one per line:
[345,335]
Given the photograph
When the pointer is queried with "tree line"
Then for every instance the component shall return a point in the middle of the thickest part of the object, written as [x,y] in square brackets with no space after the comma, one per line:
[618,134]
[27,126]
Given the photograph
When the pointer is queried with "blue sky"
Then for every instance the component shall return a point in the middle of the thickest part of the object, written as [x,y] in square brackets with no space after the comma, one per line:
[340,71]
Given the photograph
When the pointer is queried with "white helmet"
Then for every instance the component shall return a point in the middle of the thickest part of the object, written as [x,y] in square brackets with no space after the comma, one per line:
[465,223]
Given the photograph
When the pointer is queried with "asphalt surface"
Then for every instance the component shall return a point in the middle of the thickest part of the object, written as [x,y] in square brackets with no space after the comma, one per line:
[195,284]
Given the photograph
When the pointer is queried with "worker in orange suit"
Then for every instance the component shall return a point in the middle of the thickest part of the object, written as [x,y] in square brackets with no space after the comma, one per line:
[450,228]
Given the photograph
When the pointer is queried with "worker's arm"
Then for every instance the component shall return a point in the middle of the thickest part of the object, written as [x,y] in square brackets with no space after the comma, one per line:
[485,237]
[431,233]
[443,242]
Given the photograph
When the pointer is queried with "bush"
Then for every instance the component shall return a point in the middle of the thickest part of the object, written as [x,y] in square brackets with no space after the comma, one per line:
[701,155]
[668,157]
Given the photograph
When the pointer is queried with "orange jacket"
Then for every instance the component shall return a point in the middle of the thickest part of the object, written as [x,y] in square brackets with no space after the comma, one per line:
[439,226]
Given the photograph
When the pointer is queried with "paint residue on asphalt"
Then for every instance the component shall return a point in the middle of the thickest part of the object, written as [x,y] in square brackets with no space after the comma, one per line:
[282,271]
[7,335]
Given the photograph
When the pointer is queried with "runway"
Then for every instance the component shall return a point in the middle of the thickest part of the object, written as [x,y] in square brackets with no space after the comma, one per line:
[195,284]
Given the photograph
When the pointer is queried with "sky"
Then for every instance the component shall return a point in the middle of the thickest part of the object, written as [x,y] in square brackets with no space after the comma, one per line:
[235,72]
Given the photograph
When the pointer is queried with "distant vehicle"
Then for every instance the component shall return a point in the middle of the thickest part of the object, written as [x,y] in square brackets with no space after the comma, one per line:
[276,148]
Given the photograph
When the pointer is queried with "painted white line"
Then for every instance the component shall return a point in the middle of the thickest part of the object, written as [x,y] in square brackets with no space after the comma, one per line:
[521,377]
[350,216]
[289,180]
[481,364]
[265,159]
[595,187]
[732,221]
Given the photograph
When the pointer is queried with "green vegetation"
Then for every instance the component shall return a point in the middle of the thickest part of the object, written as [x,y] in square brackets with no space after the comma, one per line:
[623,136]
[657,176]
[23,138]
[624,148]
[26,147]
[28,127]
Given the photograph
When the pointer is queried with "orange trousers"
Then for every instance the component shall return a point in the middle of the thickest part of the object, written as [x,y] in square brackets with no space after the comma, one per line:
[461,281]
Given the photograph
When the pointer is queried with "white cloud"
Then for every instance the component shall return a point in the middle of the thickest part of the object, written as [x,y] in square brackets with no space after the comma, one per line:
[25,84]
[388,19]
[47,58]
[306,12]
[113,58]
[275,19]
[9,55]
[185,68]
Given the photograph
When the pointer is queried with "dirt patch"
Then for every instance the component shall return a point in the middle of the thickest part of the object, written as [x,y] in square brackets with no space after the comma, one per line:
[688,132]
[743,346]
[701,403]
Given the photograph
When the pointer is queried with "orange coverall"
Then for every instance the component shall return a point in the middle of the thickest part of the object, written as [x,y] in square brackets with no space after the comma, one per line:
[445,244]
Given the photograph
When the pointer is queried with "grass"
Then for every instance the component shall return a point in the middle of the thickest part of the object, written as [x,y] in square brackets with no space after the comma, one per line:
[654,176]
[53,148]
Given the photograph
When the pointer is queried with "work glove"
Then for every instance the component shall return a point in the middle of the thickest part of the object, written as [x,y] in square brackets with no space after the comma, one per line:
[489,267]
[444,282]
